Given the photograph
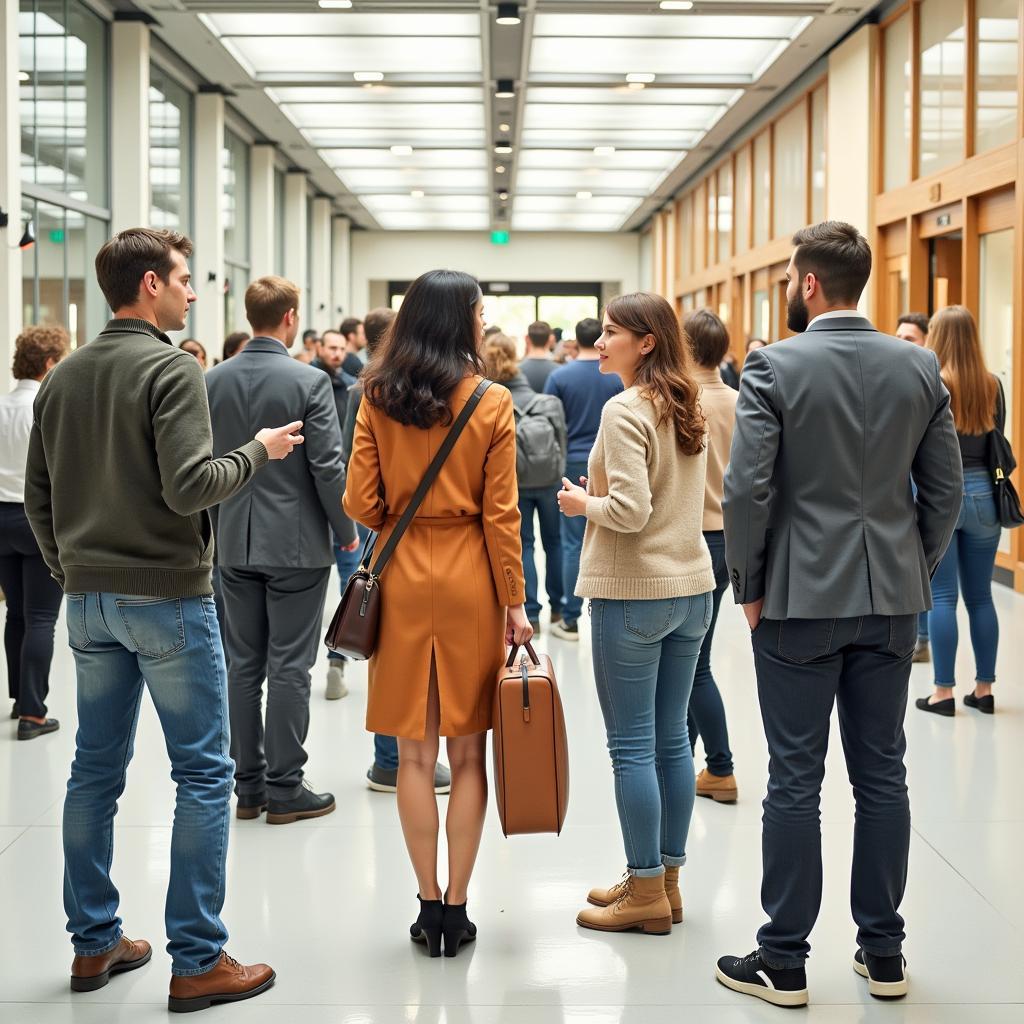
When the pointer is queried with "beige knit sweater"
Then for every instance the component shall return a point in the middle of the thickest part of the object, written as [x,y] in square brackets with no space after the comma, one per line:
[645,509]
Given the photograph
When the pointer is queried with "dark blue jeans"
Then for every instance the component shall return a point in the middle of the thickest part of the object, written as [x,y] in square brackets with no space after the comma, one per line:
[968,561]
[804,667]
[543,501]
[385,748]
[573,529]
[707,712]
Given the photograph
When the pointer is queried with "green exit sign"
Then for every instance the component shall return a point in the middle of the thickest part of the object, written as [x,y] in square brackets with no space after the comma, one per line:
[499,238]
[57,236]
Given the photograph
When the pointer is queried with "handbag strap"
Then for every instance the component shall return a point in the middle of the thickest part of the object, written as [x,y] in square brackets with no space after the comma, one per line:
[429,477]
[515,650]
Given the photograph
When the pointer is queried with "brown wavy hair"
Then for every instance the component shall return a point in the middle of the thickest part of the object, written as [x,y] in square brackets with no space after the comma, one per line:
[35,347]
[499,355]
[664,373]
[953,337]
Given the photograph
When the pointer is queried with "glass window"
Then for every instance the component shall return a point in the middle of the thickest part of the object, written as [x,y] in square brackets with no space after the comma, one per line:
[896,102]
[235,156]
[686,237]
[170,152]
[741,202]
[566,311]
[761,315]
[942,85]
[996,88]
[789,182]
[710,198]
[512,313]
[724,212]
[762,188]
[819,108]
[699,224]
[63,98]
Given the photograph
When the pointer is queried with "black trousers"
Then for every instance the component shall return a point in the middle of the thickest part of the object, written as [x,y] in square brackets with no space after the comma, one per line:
[804,666]
[274,620]
[33,603]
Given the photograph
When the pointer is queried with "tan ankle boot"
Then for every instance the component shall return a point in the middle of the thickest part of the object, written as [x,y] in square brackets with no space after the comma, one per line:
[720,788]
[604,897]
[642,904]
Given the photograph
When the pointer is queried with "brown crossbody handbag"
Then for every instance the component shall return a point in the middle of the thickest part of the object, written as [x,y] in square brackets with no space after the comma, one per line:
[353,630]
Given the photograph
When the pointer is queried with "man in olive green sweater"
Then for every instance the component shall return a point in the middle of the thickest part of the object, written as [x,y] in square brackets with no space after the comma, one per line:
[120,474]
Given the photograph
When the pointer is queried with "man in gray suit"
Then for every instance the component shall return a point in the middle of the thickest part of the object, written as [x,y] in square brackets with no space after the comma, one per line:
[274,548]
[831,555]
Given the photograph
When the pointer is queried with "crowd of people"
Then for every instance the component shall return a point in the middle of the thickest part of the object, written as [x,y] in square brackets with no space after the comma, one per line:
[661,474]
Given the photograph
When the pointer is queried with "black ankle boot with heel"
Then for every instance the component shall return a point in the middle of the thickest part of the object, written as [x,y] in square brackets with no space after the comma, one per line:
[428,926]
[457,928]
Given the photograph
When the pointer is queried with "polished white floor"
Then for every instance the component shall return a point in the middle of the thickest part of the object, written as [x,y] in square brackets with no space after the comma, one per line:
[328,902]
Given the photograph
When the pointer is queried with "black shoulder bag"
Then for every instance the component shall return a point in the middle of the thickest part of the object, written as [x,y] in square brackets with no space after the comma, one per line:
[1001,463]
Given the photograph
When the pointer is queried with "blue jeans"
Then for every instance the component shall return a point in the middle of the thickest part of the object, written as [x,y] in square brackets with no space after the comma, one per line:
[543,500]
[644,655]
[707,712]
[573,529]
[969,561]
[385,748]
[173,647]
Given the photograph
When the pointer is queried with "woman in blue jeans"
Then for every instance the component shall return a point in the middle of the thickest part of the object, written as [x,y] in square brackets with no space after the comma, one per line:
[646,568]
[978,405]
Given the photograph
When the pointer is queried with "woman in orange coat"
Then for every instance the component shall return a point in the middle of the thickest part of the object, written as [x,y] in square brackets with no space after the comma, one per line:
[452,595]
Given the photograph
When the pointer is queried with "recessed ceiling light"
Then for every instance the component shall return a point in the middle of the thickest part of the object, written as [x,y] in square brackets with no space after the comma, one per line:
[584,195]
[640,76]
[402,150]
[508,14]
[368,76]
[417,193]
[502,147]
[335,5]
[500,169]
[604,150]
[677,5]
[636,85]
[506,89]
[504,127]
[503,195]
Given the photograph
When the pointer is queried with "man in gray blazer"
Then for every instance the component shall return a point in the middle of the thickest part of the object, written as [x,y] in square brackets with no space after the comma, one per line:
[831,555]
[274,551]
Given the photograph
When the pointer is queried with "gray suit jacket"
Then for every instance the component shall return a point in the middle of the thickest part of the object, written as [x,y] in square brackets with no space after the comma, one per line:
[820,519]
[283,517]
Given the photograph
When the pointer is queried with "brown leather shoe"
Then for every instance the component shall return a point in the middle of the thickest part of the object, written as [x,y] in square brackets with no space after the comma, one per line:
[720,788]
[643,905]
[89,973]
[228,982]
[605,897]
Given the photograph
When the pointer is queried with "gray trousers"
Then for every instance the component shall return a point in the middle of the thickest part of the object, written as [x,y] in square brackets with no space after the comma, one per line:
[274,619]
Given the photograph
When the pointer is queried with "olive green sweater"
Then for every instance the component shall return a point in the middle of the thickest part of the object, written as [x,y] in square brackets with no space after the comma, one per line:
[121,469]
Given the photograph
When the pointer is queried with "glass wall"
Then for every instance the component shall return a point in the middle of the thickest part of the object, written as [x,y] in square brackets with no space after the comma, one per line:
[995,88]
[819,113]
[724,212]
[741,203]
[170,152]
[235,158]
[789,179]
[941,92]
[762,188]
[896,102]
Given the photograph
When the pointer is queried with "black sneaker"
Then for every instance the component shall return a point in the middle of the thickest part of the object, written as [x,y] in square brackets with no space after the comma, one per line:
[250,805]
[986,705]
[15,711]
[946,708]
[887,975]
[753,977]
[565,630]
[30,730]
[306,805]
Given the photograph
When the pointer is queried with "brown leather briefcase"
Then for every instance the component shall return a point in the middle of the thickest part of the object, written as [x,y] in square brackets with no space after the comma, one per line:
[531,752]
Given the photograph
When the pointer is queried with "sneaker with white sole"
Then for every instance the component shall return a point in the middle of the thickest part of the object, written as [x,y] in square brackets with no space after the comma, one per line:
[336,688]
[385,780]
[565,630]
[887,975]
[751,976]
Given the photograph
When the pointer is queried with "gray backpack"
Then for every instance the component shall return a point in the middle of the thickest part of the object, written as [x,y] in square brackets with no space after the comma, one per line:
[538,459]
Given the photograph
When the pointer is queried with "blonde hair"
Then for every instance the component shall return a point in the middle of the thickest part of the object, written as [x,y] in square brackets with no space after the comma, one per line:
[953,337]
[499,355]
[35,347]
[267,300]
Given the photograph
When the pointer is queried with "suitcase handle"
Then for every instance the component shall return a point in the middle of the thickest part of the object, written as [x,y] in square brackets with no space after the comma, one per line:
[515,650]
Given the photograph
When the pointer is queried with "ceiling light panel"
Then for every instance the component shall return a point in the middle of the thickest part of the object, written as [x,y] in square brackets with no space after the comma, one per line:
[617,96]
[639,182]
[542,137]
[373,138]
[383,94]
[578,159]
[410,221]
[611,118]
[421,158]
[404,202]
[343,25]
[385,115]
[597,204]
[373,179]
[693,26]
[566,221]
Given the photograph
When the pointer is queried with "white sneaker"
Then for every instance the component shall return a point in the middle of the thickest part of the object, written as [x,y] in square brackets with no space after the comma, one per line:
[565,631]
[336,688]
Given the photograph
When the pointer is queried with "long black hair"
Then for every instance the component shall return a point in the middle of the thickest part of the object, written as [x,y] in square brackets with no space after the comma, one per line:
[430,348]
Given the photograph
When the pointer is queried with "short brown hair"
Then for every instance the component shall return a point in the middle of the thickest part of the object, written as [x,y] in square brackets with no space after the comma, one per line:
[839,257]
[500,362]
[267,300]
[375,326]
[35,347]
[350,325]
[539,333]
[124,259]
[707,336]
[918,320]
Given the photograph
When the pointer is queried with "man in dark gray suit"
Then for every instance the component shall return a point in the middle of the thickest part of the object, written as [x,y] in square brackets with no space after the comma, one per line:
[830,556]
[274,548]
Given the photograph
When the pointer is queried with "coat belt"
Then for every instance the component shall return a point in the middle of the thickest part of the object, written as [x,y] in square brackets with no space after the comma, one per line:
[438,520]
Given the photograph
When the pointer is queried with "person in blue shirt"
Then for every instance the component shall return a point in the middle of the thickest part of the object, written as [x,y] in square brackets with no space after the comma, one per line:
[583,390]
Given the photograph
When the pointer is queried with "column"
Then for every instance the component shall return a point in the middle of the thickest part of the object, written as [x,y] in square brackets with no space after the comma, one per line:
[208,258]
[10,189]
[129,116]
[295,228]
[262,240]
[341,263]
[319,314]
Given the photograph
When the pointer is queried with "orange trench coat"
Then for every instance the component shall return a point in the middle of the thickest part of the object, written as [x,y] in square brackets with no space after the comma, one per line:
[456,569]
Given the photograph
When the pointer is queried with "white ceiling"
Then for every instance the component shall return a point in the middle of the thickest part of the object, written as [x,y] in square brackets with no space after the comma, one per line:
[588,147]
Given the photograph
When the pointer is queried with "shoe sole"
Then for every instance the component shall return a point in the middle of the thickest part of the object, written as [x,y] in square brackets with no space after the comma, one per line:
[677,915]
[721,796]
[380,787]
[769,995]
[984,711]
[883,989]
[101,980]
[287,819]
[930,710]
[333,694]
[248,813]
[655,926]
[205,1002]
[37,733]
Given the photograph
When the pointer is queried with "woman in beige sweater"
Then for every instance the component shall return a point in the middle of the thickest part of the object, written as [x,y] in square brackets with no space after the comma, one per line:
[647,571]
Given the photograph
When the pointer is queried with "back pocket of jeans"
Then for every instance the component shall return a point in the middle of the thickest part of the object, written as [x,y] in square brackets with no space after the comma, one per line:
[78,637]
[902,634]
[803,640]
[648,619]
[155,625]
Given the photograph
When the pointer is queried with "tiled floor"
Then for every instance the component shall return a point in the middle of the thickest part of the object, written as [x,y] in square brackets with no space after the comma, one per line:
[328,902]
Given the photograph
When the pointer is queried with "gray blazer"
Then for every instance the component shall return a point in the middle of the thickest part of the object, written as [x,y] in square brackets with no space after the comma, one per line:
[283,517]
[820,518]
